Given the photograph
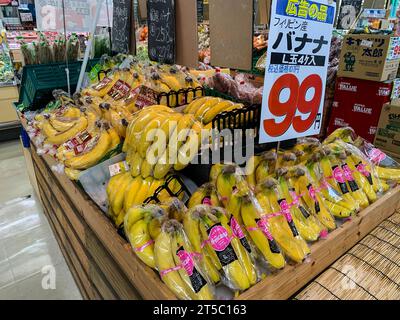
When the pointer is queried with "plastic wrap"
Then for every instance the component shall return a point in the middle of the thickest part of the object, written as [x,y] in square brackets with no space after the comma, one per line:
[179,264]
[223,249]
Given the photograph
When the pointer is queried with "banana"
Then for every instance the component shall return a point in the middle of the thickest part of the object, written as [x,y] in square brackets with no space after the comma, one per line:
[136,164]
[165,264]
[190,272]
[260,234]
[219,243]
[192,231]
[48,130]
[211,113]
[118,201]
[72,173]
[146,169]
[206,194]
[131,193]
[90,158]
[190,148]
[208,105]
[91,118]
[60,125]
[149,133]
[142,243]
[195,104]
[60,138]
[251,167]
[115,139]
[387,173]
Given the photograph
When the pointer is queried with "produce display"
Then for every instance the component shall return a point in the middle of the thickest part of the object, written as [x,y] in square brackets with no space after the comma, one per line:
[6,66]
[48,49]
[204,43]
[239,87]
[248,222]
[82,131]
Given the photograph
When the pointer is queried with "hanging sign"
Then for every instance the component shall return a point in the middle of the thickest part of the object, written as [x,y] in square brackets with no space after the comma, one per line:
[348,12]
[78,15]
[296,69]
[161,24]
[122,27]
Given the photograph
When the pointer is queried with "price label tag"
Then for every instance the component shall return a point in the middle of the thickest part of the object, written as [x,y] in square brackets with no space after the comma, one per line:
[296,69]
[118,168]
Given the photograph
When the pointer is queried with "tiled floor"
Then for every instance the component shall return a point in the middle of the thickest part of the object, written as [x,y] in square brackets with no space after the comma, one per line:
[31,263]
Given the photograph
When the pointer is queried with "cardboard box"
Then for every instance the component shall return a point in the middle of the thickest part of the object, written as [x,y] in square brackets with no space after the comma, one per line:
[388,132]
[369,57]
[358,104]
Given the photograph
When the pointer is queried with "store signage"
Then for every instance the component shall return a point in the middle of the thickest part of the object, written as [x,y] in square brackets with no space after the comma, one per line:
[79,15]
[122,26]
[161,24]
[296,69]
[348,12]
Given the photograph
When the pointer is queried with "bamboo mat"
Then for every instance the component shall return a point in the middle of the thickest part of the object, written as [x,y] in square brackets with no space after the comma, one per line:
[369,271]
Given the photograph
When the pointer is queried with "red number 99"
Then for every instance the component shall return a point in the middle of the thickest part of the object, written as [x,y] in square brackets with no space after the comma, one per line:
[296,101]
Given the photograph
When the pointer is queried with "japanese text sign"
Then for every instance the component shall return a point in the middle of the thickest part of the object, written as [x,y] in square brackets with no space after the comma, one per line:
[296,69]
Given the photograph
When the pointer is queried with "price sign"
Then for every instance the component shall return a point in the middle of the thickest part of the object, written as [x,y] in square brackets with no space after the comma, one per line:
[296,69]
[349,10]
[122,27]
[161,24]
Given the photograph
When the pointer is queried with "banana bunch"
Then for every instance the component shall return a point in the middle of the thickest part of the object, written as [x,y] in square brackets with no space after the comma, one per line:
[308,225]
[235,194]
[205,109]
[159,140]
[303,185]
[281,228]
[259,168]
[124,191]
[142,225]
[178,266]
[225,253]
[206,194]
[383,167]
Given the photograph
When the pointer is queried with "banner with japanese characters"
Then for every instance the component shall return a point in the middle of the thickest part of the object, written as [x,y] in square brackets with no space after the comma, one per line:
[296,69]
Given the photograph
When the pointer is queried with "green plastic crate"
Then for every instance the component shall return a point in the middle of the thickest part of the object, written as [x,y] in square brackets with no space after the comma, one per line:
[39,80]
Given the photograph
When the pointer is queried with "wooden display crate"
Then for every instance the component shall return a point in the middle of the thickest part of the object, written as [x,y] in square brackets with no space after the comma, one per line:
[105,267]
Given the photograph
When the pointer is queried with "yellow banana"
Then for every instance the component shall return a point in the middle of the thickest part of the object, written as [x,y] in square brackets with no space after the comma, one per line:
[60,138]
[142,243]
[93,156]
[211,113]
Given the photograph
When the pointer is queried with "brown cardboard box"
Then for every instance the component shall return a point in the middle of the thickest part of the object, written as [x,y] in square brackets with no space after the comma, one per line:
[369,57]
[388,132]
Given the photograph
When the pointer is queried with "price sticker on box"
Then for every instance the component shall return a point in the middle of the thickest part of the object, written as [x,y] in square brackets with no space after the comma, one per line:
[296,69]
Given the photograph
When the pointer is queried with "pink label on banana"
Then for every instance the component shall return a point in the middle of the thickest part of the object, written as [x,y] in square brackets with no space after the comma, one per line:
[263,225]
[338,175]
[362,168]
[285,210]
[186,261]
[144,246]
[347,173]
[207,201]
[236,229]
[376,155]
[312,192]
[166,271]
[219,238]
[295,197]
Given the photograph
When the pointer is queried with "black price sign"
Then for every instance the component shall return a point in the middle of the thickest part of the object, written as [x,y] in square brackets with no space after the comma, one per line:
[348,12]
[200,11]
[122,10]
[161,24]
